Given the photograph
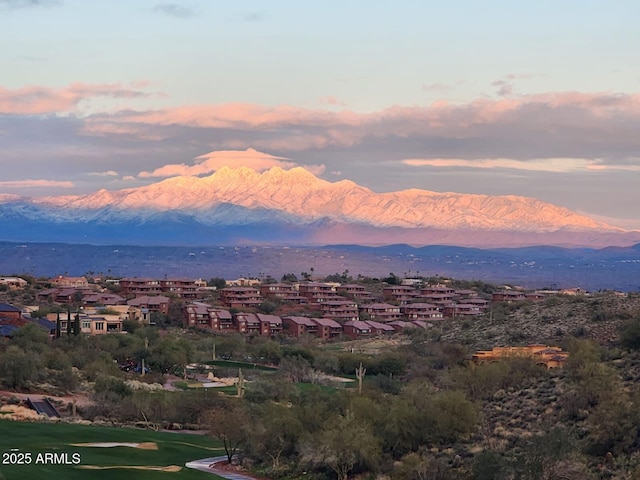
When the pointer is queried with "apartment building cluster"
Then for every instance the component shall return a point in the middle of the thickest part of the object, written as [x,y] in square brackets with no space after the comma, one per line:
[333,309]
[202,315]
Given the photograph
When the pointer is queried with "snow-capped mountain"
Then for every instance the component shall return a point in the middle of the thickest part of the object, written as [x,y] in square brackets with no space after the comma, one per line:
[294,205]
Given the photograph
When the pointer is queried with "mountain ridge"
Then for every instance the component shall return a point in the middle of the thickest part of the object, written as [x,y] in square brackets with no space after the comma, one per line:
[319,210]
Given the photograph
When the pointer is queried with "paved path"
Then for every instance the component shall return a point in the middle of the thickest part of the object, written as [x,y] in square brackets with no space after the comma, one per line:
[209,465]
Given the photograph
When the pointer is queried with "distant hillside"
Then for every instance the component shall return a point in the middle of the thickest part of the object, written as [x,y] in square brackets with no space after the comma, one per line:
[592,269]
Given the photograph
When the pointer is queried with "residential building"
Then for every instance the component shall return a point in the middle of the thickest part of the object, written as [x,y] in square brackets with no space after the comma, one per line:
[180,287]
[340,310]
[71,282]
[438,289]
[439,299]
[314,291]
[551,357]
[156,303]
[355,329]
[270,325]
[107,299]
[285,292]
[90,324]
[298,326]
[328,328]
[139,286]
[421,311]
[461,310]
[400,293]
[356,292]
[241,297]
[247,323]
[400,325]
[13,282]
[508,296]
[199,314]
[481,303]
[378,328]
[381,312]
[243,282]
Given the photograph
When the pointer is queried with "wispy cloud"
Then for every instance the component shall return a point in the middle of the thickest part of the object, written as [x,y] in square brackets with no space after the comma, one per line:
[505,88]
[108,173]
[255,16]
[42,100]
[35,183]
[436,87]
[331,100]
[540,165]
[18,4]
[174,10]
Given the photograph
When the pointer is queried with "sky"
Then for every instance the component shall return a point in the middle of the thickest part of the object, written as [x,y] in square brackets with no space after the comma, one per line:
[540,99]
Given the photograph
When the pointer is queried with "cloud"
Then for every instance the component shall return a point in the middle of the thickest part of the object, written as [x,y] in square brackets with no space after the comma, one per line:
[562,124]
[540,165]
[108,173]
[17,4]
[254,16]
[436,87]
[34,100]
[331,100]
[212,161]
[35,183]
[174,10]
[505,88]
[590,133]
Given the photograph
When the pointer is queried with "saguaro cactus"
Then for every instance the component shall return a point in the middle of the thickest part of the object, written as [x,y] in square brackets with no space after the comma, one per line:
[360,373]
[240,384]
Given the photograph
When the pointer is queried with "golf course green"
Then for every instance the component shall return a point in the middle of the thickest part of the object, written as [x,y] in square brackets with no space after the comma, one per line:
[32,451]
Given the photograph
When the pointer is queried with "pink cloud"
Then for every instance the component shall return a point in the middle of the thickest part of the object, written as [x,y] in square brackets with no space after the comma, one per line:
[541,165]
[35,183]
[35,100]
[212,161]
[550,124]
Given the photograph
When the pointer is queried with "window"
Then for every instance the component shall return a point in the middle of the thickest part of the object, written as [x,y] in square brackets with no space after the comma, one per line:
[99,325]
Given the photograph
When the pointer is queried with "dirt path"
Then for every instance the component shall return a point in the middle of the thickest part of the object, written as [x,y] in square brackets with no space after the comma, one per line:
[81,400]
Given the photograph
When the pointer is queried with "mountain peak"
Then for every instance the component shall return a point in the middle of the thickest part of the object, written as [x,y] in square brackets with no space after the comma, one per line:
[240,195]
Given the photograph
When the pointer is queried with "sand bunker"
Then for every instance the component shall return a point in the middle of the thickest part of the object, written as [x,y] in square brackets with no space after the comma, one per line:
[169,468]
[143,445]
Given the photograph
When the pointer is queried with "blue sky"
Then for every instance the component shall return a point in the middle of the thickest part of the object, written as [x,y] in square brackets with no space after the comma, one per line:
[498,97]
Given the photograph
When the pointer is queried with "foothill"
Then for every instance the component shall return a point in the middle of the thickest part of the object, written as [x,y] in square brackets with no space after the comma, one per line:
[331,376]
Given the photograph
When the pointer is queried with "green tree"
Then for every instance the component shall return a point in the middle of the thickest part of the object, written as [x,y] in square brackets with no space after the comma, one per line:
[289,278]
[267,307]
[31,338]
[18,368]
[630,334]
[274,433]
[217,282]
[226,423]
[344,444]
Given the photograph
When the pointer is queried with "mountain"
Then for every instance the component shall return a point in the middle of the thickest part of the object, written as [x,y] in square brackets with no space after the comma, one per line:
[294,206]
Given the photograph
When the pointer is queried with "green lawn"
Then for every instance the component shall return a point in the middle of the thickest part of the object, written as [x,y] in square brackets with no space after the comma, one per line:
[173,449]
[245,365]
